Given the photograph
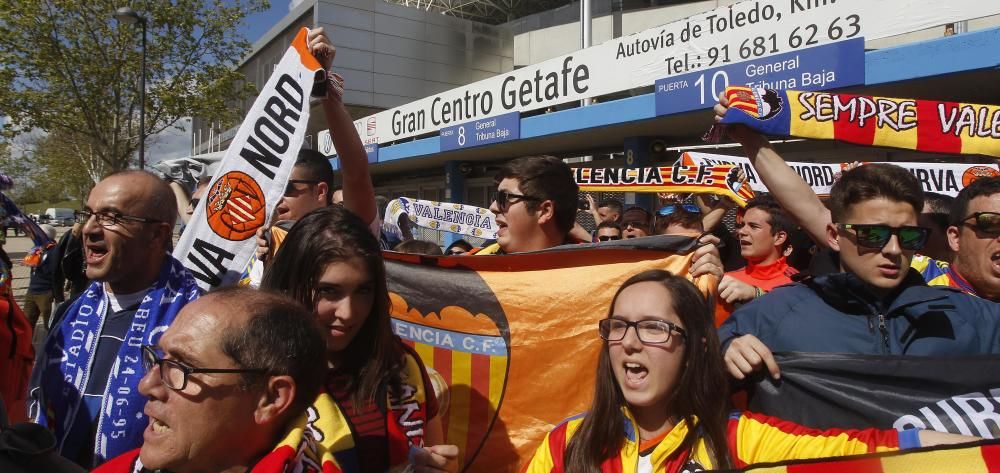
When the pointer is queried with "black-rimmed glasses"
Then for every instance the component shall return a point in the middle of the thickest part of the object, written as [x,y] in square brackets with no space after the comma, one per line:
[108,219]
[877,236]
[503,199]
[608,238]
[649,331]
[290,186]
[986,222]
[175,374]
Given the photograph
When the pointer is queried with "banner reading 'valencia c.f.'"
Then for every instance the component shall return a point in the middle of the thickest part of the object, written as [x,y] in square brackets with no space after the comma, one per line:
[720,179]
[515,336]
[252,176]
[923,125]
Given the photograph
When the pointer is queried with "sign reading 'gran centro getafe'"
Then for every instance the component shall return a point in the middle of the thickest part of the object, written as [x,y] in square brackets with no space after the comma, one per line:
[736,33]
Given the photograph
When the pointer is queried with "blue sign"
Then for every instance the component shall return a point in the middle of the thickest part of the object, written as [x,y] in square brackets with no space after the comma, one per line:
[496,129]
[372,150]
[830,66]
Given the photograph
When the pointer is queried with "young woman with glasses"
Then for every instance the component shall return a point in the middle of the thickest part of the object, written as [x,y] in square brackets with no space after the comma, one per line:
[660,400]
[331,262]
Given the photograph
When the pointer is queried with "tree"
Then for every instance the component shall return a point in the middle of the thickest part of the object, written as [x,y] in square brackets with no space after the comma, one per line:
[67,67]
[56,171]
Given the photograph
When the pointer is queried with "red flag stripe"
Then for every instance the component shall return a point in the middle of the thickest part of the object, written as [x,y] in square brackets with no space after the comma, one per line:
[929,126]
[846,130]
[442,364]
[479,403]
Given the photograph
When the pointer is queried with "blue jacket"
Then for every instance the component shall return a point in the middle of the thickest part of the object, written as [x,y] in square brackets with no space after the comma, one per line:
[835,313]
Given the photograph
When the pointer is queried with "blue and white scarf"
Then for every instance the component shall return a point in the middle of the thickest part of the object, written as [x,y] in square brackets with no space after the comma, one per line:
[68,355]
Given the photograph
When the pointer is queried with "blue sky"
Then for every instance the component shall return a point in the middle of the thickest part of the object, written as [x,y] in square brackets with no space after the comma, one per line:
[257,24]
[173,143]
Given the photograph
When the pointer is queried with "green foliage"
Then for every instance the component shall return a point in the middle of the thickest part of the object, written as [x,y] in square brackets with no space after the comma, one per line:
[69,68]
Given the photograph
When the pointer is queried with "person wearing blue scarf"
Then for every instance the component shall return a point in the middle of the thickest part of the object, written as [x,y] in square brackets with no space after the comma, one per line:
[84,386]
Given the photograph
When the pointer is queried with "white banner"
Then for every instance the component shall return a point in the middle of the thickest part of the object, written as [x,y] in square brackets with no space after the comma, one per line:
[730,34]
[947,179]
[446,217]
[251,178]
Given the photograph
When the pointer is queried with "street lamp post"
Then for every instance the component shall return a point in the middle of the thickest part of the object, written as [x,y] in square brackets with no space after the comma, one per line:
[128,15]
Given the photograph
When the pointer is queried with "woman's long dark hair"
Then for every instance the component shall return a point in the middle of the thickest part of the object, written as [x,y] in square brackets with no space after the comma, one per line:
[328,235]
[700,392]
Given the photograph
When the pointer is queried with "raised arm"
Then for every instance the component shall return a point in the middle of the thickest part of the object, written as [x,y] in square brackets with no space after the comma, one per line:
[359,193]
[787,187]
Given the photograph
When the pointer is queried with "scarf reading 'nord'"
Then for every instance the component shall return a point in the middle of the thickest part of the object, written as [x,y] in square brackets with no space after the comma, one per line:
[923,125]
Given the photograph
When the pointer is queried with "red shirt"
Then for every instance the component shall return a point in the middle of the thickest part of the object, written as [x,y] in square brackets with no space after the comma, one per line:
[766,277]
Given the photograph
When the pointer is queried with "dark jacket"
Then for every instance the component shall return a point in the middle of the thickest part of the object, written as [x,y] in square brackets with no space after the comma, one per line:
[71,264]
[837,314]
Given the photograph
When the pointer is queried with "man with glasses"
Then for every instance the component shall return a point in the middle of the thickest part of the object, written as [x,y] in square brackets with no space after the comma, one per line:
[876,304]
[224,385]
[310,185]
[974,236]
[609,231]
[84,385]
[978,276]
[636,223]
[535,205]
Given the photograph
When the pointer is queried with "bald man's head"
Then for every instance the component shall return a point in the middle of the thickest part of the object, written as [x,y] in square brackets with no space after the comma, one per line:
[127,244]
[159,202]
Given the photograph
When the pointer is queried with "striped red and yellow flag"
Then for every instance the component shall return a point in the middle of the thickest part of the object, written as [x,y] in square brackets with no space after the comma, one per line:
[473,362]
[923,125]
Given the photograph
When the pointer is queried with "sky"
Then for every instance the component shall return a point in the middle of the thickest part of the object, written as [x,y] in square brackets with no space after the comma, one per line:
[175,143]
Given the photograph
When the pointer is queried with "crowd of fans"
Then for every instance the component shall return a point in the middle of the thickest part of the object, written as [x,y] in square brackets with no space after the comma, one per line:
[217,383]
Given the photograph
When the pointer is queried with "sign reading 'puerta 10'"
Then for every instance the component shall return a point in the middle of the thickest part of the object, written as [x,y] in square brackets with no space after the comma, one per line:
[744,31]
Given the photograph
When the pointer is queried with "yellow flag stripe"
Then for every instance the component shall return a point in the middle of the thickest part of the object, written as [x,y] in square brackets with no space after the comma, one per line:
[498,369]
[810,128]
[458,412]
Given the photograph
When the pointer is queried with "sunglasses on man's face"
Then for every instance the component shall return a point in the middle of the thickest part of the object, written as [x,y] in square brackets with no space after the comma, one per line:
[877,236]
[505,199]
[291,190]
[608,238]
[984,222]
[671,208]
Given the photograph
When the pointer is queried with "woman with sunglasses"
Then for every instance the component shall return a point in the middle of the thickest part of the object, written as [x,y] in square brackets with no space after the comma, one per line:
[331,262]
[660,404]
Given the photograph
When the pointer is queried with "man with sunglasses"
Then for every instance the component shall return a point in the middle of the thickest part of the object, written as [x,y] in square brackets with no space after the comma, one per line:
[608,231]
[974,236]
[535,205]
[84,385]
[876,304]
[972,275]
[224,384]
[310,185]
